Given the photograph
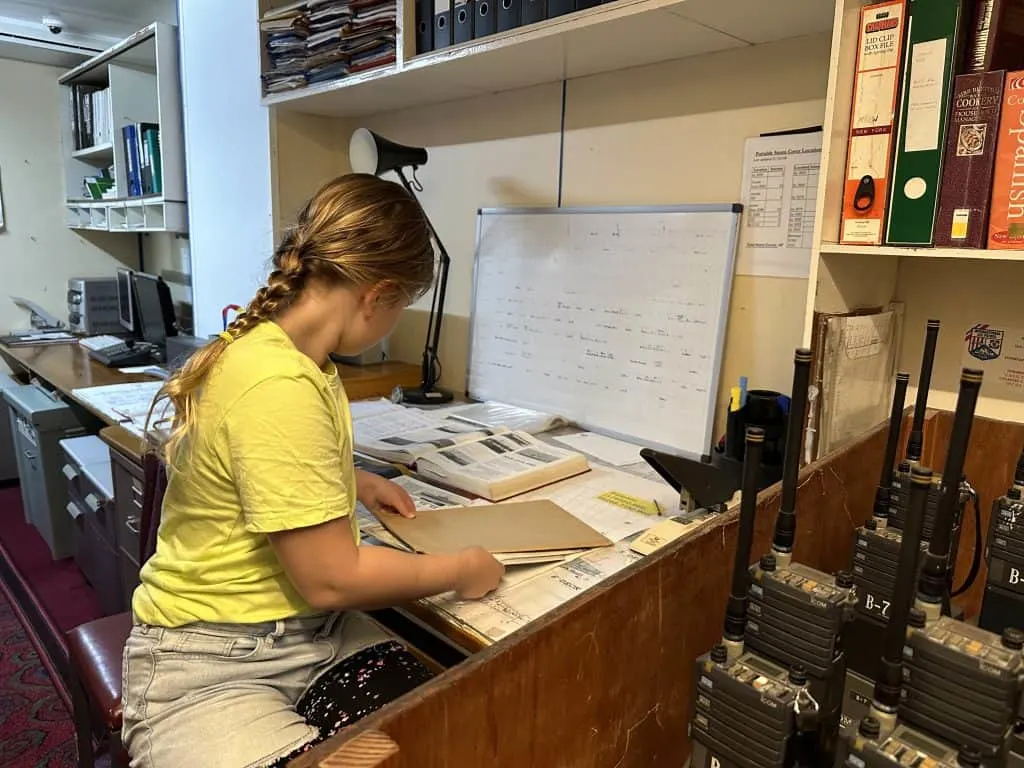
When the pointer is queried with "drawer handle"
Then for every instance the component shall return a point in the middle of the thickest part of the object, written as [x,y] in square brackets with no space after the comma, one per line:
[30,456]
[74,510]
[69,472]
[132,524]
[93,502]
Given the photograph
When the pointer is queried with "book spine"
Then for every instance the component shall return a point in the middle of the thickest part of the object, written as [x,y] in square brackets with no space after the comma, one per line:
[966,189]
[933,53]
[997,36]
[76,136]
[1006,223]
[869,152]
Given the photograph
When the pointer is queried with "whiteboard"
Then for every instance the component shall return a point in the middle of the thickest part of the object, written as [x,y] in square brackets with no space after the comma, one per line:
[611,317]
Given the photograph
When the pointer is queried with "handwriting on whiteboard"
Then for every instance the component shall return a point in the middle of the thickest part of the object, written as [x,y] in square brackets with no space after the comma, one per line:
[611,317]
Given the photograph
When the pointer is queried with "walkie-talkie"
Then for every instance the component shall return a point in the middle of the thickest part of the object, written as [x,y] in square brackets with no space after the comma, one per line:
[877,549]
[959,687]
[878,542]
[796,613]
[747,711]
[1003,603]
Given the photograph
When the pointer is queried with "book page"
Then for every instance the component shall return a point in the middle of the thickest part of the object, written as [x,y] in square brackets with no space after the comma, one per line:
[516,603]
[610,450]
[411,434]
[128,404]
[495,414]
[498,457]
[609,501]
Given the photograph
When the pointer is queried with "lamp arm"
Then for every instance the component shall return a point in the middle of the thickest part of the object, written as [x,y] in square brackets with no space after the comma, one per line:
[433,340]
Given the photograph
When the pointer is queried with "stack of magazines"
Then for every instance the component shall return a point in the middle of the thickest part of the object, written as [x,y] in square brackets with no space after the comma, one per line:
[316,41]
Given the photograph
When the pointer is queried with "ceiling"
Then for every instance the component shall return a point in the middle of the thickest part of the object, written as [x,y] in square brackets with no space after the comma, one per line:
[89,26]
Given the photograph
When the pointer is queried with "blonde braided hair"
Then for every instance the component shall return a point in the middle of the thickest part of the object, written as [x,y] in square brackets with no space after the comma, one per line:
[356,230]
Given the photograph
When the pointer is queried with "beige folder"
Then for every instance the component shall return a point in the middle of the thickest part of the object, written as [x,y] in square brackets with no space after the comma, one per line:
[523,526]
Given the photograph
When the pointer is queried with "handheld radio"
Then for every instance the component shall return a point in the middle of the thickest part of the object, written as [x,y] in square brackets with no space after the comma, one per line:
[952,695]
[1003,603]
[878,542]
[781,643]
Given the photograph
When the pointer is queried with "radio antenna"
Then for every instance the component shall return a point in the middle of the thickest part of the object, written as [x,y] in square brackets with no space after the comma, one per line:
[785,521]
[899,399]
[915,442]
[890,671]
[736,610]
[933,587]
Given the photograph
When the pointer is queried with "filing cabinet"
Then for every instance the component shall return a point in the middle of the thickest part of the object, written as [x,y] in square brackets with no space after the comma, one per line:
[87,468]
[8,463]
[129,486]
[39,420]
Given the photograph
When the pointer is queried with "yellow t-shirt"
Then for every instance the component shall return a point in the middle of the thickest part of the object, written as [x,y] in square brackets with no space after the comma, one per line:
[272,451]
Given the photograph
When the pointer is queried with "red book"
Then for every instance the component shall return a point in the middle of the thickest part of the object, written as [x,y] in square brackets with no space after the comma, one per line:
[962,220]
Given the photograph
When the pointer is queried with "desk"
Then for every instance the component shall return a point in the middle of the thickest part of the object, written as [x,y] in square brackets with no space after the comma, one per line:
[68,366]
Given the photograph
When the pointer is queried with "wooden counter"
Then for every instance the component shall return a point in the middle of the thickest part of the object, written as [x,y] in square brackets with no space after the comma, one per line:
[605,680]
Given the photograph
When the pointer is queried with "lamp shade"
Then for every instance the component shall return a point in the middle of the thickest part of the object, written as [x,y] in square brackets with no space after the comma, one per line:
[370,153]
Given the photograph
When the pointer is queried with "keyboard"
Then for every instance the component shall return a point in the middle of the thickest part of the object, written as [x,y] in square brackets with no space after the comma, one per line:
[122,356]
[96,343]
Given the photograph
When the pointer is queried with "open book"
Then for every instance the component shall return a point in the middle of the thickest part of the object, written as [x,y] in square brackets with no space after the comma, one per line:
[404,436]
[500,465]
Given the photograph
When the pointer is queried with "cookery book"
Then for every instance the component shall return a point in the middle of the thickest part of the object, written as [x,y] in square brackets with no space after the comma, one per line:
[1006,220]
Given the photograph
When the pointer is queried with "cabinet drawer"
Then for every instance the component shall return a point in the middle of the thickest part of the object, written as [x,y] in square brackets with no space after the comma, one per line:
[128,495]
[95,557]
[129,579]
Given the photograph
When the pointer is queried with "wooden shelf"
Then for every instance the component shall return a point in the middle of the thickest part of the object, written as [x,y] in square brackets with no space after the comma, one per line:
[141,80]
[614,36]
[831,249]
[101,153]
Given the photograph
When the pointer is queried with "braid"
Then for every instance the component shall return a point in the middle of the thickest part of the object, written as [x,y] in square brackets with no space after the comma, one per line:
[356,230]
[283,285]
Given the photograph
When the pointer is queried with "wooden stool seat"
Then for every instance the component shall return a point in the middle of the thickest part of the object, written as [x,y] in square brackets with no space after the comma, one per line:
[95,650]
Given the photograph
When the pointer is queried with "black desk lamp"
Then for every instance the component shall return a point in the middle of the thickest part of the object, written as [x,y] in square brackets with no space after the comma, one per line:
[370,153]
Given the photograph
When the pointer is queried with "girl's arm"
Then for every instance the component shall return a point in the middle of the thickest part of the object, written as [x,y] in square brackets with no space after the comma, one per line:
[331,572]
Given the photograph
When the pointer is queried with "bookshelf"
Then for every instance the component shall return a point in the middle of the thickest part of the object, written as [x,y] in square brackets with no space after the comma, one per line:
[140,83]
[612,36]
[957,286]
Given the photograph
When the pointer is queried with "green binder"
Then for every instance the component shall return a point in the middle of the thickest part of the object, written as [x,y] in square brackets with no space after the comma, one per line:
[931,59]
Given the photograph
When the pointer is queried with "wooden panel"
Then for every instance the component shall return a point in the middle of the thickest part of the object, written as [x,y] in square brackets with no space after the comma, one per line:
[366,381]
[572,689]
[991,459]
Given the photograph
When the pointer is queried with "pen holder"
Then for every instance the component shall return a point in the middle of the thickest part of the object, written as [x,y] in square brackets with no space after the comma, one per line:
[763,408]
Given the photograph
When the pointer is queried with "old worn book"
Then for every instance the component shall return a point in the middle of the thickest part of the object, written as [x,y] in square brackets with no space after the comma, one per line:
[966,191]
[996,38]
[498,466]
[1006,218]
[872,120]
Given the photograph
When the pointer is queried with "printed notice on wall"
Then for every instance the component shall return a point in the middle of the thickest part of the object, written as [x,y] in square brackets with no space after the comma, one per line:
[998,352]
[780,187]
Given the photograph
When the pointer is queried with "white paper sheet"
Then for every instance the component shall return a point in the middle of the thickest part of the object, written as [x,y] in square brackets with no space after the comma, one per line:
[127,404]
[780,184]
[531,595]
[610,450]
[580,496]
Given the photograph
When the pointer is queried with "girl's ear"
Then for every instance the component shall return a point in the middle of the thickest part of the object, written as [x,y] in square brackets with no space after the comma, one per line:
[382,295]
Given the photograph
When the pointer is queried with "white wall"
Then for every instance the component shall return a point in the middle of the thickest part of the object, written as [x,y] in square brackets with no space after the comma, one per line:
[662,134]
[38,253]
[227,149]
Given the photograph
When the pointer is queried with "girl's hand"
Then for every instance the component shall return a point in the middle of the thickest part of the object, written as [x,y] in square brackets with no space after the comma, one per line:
[378,494]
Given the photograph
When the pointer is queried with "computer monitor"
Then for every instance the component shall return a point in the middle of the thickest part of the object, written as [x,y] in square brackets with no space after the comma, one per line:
[155,308]
[124,299]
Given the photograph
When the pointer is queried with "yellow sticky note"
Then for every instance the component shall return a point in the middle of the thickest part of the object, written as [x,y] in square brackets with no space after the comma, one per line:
[632,503]
[657,537]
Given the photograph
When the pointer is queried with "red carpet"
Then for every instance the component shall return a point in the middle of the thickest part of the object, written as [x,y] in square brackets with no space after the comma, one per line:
[36,730]
[40,599]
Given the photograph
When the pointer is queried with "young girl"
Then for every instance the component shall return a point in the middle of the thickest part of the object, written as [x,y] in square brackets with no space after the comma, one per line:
[247,647]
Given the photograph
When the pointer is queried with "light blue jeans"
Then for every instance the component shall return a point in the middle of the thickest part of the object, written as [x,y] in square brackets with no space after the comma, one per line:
[224,695]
